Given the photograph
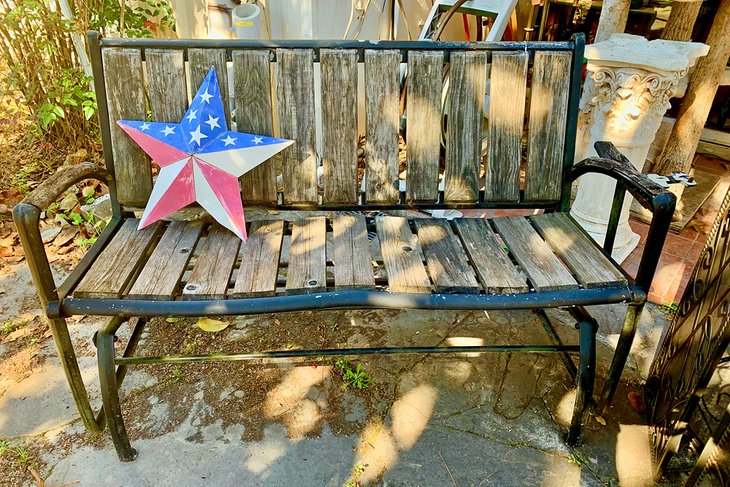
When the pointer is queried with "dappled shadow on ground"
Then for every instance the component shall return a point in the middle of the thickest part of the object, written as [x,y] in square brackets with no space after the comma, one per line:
[495,419]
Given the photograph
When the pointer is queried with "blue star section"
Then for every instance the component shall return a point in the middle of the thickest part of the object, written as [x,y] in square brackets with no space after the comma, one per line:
[238,140]
[203,129]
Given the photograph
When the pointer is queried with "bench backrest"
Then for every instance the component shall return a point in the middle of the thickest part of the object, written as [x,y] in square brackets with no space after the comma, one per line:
[274,94]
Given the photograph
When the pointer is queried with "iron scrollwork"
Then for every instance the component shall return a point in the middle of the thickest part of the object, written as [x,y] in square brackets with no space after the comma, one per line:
[693,344]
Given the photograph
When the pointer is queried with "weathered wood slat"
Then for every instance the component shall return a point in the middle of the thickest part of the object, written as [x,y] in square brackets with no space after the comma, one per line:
[447,263]
[161,274]
[401,257]
[508,87]
[201,60]
[423,129]
[295,96]
[548,113]
[467,85]
[353,265]
[126,100]
[339,125]
[166,84]
[259,260]
[581,256]
[544,269]
[252,99]
[118,263]
[212,271]
[496,271]
[382,117]
[307,266]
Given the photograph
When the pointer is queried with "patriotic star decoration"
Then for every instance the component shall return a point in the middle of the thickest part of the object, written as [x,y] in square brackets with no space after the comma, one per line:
[201,160]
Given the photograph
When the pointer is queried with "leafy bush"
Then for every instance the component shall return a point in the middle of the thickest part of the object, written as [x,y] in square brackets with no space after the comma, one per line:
[36,44]
[39,47]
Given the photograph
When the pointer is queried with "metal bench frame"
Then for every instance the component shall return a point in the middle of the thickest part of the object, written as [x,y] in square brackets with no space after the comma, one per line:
[58,303]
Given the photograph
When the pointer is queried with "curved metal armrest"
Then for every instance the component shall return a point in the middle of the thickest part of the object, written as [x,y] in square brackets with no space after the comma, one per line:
[614,164]
[649,194]
[49,190]
[27,213]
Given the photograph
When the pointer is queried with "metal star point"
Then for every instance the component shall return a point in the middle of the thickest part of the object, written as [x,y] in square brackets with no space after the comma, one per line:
[201,164]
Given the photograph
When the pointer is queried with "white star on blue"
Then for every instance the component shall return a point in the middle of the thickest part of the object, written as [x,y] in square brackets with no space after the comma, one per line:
[212,135]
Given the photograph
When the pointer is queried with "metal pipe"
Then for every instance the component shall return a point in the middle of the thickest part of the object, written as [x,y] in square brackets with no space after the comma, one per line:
[618,202]
[229,44]
[279,354]
[571,123]
[26,218]
[663,209]
[555,339]
[586,379]
[354,299]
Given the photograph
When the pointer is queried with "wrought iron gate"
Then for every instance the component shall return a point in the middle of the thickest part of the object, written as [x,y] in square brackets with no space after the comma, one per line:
[693,345]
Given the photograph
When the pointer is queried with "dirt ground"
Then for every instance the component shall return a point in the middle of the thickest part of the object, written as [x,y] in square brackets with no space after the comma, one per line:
[499,406]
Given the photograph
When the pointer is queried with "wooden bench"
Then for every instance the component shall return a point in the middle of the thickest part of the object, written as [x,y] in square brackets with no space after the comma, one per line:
[347,252]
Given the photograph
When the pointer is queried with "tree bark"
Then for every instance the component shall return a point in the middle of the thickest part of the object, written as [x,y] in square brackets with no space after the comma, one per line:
[614,14]
[696,104]
[681,20]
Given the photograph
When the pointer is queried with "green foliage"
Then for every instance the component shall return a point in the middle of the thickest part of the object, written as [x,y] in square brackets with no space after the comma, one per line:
[68,210]
[4,445]
[24,178]
[37,46]
[355,378]
[144,19]
[669,308]
[23,455]
[10,326]
[70,92]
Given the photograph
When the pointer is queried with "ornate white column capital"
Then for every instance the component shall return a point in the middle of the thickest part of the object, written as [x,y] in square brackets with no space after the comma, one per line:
[630,81]
[628,103]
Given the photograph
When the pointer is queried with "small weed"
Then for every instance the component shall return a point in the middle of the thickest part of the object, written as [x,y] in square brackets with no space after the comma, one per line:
[23,455]
[10,326]
[354,481]
[669,308]
[175,376]
[355,378]
[4,445]
[578,458]
[85,242]
[27,176]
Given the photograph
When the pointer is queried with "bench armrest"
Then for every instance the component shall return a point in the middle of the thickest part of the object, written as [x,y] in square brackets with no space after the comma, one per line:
[27,213]
[614,164]
[649,194]
[49,190]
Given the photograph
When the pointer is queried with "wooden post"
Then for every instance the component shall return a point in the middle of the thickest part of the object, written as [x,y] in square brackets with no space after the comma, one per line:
[681,20]
[695,107]
[614,14]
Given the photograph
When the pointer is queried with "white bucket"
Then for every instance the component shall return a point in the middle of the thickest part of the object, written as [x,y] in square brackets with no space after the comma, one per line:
[246,20]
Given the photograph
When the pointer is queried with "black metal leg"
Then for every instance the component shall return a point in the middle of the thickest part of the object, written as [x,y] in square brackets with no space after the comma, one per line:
[122,369]
[628,330]
[586,376]
[110,392]
[70,366]
[26,219]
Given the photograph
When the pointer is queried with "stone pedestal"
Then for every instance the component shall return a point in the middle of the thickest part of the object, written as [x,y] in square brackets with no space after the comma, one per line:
[629,83]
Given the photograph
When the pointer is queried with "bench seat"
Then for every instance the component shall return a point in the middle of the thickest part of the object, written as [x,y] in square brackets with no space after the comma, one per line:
[193,261]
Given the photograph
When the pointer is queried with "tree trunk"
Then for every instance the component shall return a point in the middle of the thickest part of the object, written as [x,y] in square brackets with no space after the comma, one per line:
[696,104]
[614,14]
[681,20]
